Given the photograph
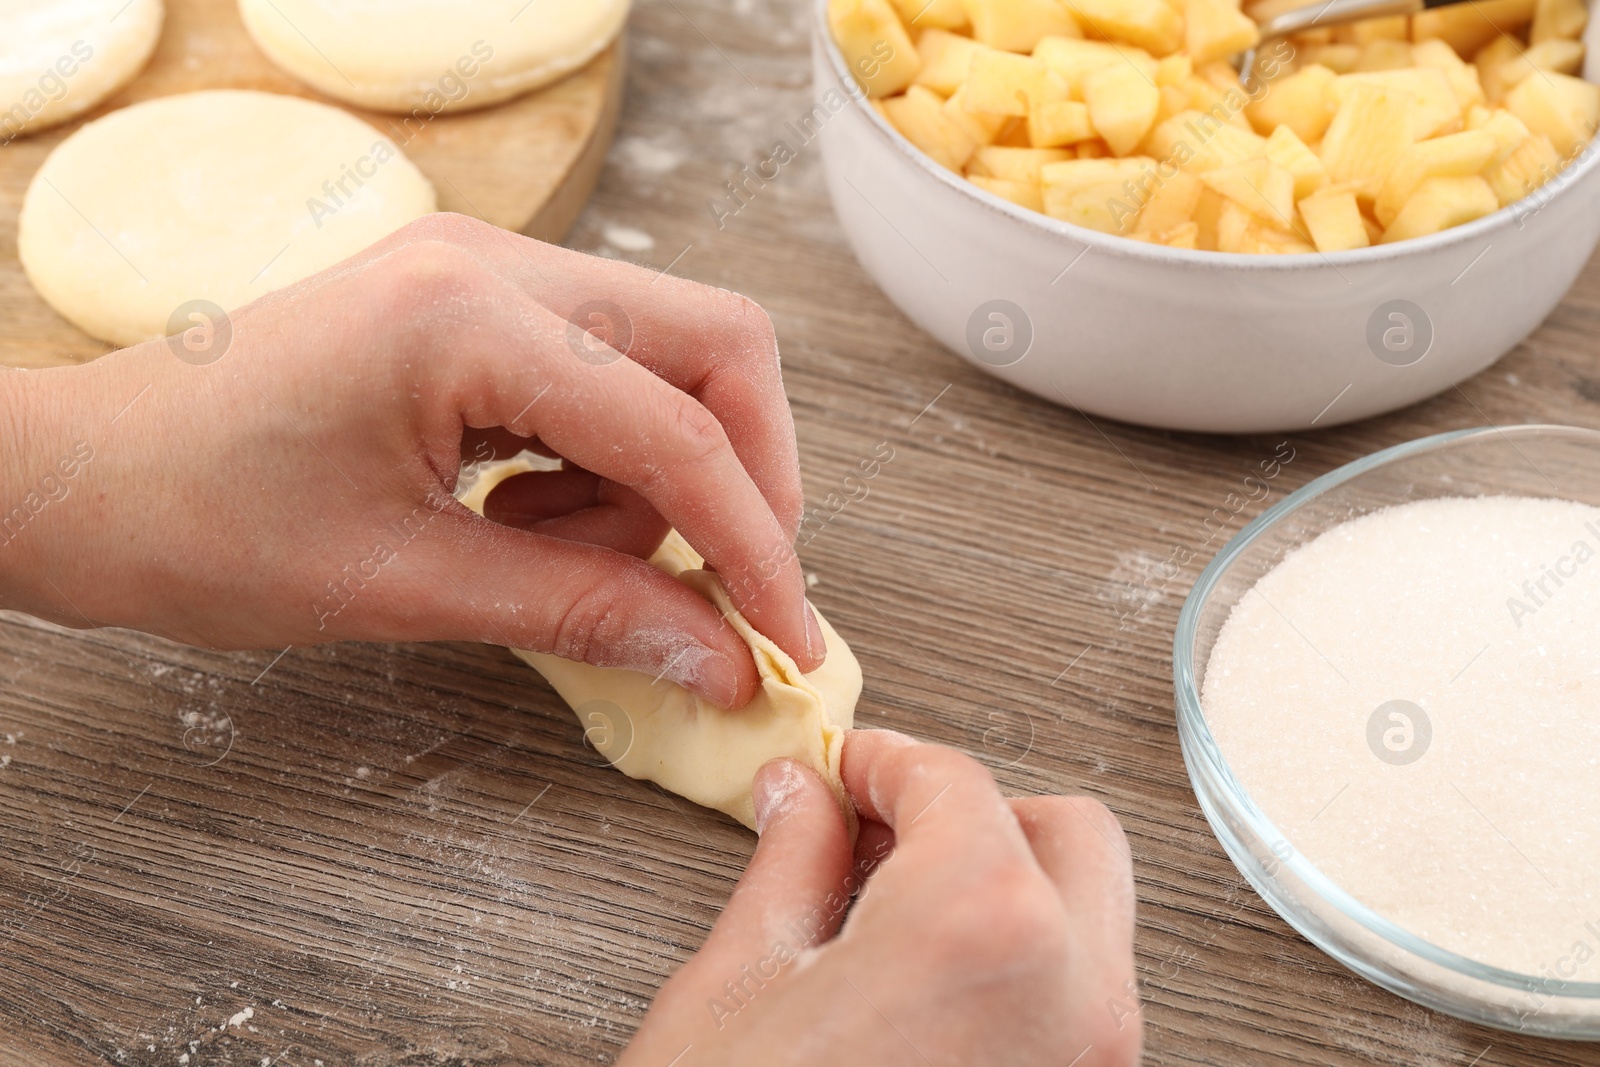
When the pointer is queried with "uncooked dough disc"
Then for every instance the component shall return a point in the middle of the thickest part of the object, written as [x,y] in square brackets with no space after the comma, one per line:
[59,58]
[434,55]
[220,196]
[661,732]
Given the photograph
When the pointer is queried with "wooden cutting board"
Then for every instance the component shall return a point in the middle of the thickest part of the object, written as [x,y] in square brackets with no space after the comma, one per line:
[526,165]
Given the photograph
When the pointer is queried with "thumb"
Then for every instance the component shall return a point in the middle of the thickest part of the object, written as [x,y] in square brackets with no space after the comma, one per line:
[796,888]
[792,898]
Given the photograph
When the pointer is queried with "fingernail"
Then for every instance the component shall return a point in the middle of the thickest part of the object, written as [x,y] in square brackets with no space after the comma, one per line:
[718,679]
[776,784]
[816,644]
[898,739]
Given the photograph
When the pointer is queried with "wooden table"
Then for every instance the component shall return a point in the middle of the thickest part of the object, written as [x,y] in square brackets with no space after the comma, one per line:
[404,854]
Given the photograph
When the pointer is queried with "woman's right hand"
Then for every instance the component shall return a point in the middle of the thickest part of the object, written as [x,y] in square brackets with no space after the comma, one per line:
[990,931]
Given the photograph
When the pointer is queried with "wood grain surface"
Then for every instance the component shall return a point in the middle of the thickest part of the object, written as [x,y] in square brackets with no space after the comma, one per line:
[404,854]
[529,164]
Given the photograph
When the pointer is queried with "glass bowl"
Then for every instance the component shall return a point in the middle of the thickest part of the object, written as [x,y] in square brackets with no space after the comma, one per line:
[1539,461]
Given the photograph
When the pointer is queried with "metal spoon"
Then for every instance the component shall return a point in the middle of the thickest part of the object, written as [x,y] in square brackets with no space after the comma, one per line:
[1316,16]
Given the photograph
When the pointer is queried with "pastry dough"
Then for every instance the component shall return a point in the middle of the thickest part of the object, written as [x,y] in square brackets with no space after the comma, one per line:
[221,196]
[431,55]
[59,58]
[663,733]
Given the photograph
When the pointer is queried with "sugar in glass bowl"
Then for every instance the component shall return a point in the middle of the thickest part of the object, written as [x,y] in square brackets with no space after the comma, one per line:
[1270,827]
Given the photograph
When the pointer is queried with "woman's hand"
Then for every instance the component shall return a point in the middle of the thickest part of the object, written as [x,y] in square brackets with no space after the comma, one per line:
[292,484]
[999,931]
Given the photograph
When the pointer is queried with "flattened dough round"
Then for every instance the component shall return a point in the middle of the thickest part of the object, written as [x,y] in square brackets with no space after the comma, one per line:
[663,733]
[435,55]
[221,196]
[59,58]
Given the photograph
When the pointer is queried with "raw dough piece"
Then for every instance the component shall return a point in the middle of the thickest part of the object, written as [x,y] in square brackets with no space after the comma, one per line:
[59,58]
[663,733]
[221,196]
[431,55]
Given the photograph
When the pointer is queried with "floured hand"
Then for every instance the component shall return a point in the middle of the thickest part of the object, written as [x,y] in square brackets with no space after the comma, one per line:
[989,931]
[295,486]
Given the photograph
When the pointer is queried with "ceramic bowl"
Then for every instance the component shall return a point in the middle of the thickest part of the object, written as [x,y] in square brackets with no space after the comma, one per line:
[1181,339]
[1517,461]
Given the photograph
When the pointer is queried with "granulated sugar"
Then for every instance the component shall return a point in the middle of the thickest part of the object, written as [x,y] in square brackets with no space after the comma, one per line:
[1469,814]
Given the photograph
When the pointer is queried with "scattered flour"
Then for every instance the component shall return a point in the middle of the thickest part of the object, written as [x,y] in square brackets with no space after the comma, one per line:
[652,156]
[627,238]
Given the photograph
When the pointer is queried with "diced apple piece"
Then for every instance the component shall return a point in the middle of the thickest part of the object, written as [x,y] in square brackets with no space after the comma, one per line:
[1374,231]
[1383,28]
[1018,25]
[1230,144]
[1198,142]
[1558,55]
[1150,24]
[1468,27]
[1334,220]
[1489,61]
[1305,38]
[1221,74]
[1384,55]
[932,14]
[1207,213]
[1002,83]
[1233,225]
[1562,108]
[1463,76]
[946,59]
[1014,134]
[1174,70]
[981,126]
[1298,101]
[1432,105]
[1171,204]
[1259,185]
[1525,169]
[875,45]
[1174,100]
[1455,156]
[1215,87]
[1093,149]
[1060,122]
[1216,29]
[1440,203]
[1027,194]
[1264,11]
[1122,105]
[1097,193]
[1217,97]
[1273,241]
[1184,235]
[1075,60]
[1369,132]
[1291,153]
[1507,130]
[1556,19]
[1339,58]
[919,115]
[1016,164]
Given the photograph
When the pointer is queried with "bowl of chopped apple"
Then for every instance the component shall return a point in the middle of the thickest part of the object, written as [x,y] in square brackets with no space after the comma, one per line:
[1085,198]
